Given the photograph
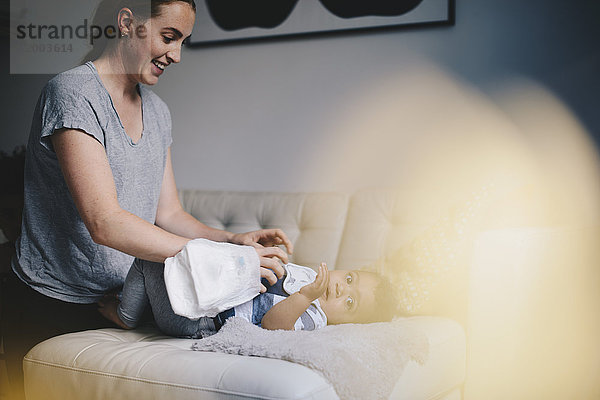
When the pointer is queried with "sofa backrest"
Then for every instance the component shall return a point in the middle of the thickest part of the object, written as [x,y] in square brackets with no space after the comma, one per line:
[367,229]
[314,222]
[413,238]
[379,222]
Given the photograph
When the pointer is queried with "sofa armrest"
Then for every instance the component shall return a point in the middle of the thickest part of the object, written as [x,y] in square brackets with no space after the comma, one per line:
[444,371]
[534,314]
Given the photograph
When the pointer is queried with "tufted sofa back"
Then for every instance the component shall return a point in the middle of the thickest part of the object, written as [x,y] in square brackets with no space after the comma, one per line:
[314,222]
[364,229]
[344,231]
[380,221]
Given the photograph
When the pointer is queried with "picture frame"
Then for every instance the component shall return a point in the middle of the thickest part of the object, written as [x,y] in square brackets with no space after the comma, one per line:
[221,22]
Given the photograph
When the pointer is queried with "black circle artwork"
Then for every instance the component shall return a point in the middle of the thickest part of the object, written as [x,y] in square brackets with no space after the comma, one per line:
[231,15]
[365,8]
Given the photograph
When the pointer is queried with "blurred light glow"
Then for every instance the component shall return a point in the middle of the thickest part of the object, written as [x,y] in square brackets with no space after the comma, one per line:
[534,294]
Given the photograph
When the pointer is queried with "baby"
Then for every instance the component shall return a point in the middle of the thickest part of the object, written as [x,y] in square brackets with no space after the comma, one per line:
[301,300]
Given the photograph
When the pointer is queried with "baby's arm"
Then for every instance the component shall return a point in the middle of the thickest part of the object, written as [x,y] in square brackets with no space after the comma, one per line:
[284,314]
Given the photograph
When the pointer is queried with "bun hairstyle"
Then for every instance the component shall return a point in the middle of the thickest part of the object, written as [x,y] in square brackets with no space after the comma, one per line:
[106,15]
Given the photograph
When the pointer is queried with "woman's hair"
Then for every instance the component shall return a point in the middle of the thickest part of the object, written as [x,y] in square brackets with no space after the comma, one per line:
[108,10]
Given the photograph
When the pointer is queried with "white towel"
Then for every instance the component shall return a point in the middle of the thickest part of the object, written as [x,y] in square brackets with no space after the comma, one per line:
[208,277]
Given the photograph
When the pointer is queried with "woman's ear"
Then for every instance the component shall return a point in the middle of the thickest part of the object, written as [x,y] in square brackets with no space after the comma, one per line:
[124,21]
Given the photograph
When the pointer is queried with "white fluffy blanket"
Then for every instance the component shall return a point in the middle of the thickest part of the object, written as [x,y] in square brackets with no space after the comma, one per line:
[360,361]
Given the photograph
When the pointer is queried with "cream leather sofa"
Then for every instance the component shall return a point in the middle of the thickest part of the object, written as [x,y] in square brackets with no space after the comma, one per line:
[345,231]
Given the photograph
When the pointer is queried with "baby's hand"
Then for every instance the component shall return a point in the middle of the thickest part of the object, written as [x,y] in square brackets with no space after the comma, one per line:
[314,290]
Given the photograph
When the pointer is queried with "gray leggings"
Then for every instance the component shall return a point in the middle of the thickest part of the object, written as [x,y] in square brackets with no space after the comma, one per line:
[145,284]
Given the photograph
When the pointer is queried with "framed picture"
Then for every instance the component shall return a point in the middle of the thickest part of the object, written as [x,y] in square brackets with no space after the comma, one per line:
[223,21]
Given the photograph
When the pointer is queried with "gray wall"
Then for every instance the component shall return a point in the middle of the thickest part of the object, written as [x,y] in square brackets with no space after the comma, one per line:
[257,116]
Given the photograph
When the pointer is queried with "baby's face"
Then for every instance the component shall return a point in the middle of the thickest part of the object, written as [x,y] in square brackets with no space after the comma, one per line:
[349,297]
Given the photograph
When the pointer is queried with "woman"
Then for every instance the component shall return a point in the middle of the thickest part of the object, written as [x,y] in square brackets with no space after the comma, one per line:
[99,184]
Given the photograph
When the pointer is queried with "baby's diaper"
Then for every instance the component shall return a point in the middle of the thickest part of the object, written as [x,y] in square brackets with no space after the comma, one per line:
[208,277]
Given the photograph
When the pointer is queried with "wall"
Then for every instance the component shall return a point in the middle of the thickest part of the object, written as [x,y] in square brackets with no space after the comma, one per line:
[252,116]
[344,111]
[273,115]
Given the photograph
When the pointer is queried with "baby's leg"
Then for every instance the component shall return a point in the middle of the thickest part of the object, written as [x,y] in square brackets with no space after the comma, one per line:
[129,310]
[164,316]
[108,308]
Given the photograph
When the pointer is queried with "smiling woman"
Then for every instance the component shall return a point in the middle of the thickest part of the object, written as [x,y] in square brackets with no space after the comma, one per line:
[107,13]
[99,185]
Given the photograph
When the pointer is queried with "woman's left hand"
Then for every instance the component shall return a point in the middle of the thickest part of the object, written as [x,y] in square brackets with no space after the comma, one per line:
[264,238]
[265,242]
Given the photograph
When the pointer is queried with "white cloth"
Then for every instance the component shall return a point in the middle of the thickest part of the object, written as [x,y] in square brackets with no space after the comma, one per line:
[208,277]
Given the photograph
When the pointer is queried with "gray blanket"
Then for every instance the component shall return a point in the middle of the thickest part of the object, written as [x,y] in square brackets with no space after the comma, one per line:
[360,361]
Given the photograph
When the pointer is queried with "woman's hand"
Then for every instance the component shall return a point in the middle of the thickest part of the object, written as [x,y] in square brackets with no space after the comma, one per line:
[264,238]
[264,241]
[270,267]
[314,290]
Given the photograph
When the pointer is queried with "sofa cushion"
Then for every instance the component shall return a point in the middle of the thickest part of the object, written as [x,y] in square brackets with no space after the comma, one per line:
[117,364]
[143,364]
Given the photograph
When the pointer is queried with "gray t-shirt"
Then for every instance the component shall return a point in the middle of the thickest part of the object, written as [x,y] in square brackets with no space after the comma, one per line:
[55,253]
